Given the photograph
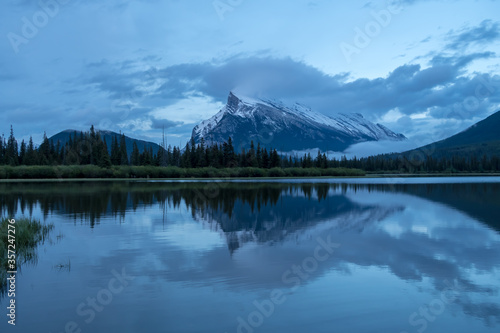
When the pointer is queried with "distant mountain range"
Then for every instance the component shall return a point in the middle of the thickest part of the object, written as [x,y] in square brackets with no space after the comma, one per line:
[286,128]
[63,137]
[289,128]
[482,138]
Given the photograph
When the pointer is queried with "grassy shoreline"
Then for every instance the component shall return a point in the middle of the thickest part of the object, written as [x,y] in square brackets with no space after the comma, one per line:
[127,173]
[151,172]
[28,235]
[437,174]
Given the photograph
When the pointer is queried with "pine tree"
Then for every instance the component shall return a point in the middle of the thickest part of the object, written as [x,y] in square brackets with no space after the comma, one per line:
[2,150]
[115,151]
[44,151]
[92,145]
[324,162]
[186,157]
[71,157]
[58,153]
[96,151]
[104,159]
[251,156]
[265,159]
[242,158]
[259,156]
[176,157]
[123,151]
[207,157]
[135,158]
[318,160]
[200,154]
[275,159]
[146,157]
[307,161]
[193,155]
[22,153]
[11,157]
[229,156]
[30,158]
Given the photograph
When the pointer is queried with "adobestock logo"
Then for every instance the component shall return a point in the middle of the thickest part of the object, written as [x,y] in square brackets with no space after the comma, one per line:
[97,304]
[363,37]
[222,7]
[292,279]
[31,26]
[428,313]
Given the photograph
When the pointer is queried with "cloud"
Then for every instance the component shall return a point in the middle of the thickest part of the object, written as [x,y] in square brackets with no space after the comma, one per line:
[363,149]
[439,89]
[190,92]
[139,95]
[163,123]
[143,60]
[372,148]
[487,32]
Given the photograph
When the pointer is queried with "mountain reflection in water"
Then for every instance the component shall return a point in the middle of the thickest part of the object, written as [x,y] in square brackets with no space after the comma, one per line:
[446,234]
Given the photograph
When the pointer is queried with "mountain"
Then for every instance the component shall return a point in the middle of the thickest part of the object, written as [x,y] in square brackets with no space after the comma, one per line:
[63,137]
[287,128]
[482,138]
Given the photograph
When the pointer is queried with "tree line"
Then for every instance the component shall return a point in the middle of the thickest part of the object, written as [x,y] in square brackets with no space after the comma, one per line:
[89,148]
[424,164]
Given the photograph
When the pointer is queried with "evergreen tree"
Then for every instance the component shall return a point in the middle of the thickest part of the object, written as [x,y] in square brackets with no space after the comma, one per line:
[58,154]
[2,150]
[22,153]
[11,157]
[169,156]
[30,158]
[71,156]
[92,145]
[96,147]
[200,154]
[229,156]
[44,151]
[251,158]
[151,155]
[104,159]
[307,161]
[275,159]
[161,157]
[258,156]
[186,157]
[193,155]
[135,158]
[176,156]
[83,148]
[115,152]
[265,159]
[123,151]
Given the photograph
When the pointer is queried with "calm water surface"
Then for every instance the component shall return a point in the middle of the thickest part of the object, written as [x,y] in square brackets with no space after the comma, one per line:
[406,255]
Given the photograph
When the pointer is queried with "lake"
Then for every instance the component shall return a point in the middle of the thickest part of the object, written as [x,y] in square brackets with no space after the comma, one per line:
[324,255]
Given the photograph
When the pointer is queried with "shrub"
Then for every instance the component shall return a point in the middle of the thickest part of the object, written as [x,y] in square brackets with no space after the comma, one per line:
[276,172]
[93,171]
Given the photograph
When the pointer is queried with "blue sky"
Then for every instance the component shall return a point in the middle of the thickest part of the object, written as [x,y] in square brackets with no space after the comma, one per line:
[427,69]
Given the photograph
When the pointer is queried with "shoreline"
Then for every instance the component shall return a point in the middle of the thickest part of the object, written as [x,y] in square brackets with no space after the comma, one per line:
[229,179]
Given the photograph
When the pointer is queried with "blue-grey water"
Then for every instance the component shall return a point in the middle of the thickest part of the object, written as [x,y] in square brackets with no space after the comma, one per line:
[400,255]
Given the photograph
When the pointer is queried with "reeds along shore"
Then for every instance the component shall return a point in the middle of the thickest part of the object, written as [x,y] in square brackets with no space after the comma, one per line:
[115,172]
[26,234]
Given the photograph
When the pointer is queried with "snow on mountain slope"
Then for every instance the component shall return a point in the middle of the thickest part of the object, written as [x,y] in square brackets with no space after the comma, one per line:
[293,127]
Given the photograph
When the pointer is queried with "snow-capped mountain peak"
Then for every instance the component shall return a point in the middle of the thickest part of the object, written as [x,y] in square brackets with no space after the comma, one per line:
[272,123]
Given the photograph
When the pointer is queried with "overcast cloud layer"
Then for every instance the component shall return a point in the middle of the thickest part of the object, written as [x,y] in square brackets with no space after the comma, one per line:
[427,69]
